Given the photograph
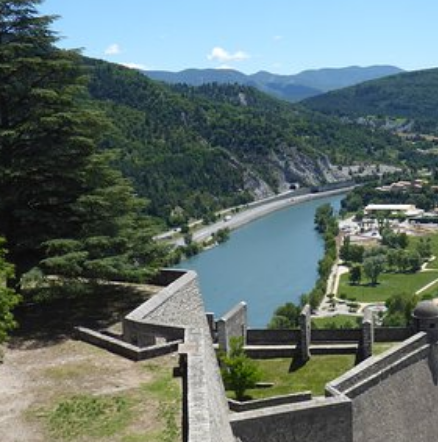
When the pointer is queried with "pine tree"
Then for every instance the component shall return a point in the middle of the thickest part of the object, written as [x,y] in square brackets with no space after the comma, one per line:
[62,207]
[8,298]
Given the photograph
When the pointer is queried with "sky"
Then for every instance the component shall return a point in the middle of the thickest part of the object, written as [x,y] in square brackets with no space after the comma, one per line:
[279,36]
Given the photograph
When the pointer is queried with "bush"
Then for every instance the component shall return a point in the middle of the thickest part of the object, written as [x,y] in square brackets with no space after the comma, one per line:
[238,371]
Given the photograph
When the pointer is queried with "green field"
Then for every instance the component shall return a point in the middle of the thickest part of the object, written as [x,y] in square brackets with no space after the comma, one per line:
[338,321]
[313,376]
[381,347]
[388,284]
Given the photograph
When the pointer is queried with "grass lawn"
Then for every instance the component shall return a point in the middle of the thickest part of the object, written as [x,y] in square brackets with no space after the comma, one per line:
[338,321]
[389,284]
[381,347]
[434,263]
[313,376]
[434,241]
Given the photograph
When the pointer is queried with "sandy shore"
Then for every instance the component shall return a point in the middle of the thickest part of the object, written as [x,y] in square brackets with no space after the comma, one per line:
[263,208]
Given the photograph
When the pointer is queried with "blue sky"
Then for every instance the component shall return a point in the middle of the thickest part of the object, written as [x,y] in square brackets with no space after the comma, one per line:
[281,36]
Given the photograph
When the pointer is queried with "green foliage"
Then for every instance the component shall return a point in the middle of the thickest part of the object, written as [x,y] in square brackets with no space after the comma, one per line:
[400,307]
[411,95]
[393,239]
[285,317]
[62,207]
[222,235]
[355,274]
[193,147]
[424,247]
[238,371]
[8,298]
[85,415]
[351,252]
[373,266]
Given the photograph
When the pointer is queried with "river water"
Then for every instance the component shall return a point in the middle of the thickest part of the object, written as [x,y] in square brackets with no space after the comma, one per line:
[266,263]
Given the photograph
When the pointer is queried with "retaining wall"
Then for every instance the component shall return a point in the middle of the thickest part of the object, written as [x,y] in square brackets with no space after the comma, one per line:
[256,404]
[318,420]
[272,337]
[392,334]
[336,335]
[394,396]
[125,349]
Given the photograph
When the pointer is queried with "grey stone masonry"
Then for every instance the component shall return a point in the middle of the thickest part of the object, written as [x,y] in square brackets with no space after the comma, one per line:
[232,324]
[306,330]
[178,311]
[367,339]
[318,420]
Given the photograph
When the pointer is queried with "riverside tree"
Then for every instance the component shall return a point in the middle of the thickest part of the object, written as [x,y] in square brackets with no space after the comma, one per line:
[63,209]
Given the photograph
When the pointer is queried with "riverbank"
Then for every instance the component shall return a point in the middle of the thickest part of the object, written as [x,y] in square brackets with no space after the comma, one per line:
[236,217]
[245,216]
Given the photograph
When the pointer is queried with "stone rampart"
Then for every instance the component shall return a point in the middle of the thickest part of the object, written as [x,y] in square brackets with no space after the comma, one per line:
[303,348]
[373,370]
[336,335]
[392,334]
[232,324]
[318,420]
[256,404]
[118,346]
[169,313]
[272,337]
[365,349]
[394,396]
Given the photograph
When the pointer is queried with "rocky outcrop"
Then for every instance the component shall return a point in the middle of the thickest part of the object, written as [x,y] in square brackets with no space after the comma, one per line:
[288,166]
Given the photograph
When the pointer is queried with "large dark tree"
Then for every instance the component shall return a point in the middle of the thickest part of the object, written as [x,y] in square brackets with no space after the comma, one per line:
[62,208]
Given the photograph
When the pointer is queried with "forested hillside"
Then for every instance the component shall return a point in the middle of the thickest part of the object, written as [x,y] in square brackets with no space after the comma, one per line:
[202,148]
[411,95]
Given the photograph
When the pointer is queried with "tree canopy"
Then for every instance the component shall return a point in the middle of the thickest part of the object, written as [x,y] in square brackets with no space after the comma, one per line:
[63,208]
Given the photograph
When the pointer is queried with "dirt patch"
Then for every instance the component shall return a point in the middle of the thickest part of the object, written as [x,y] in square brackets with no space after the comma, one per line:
[35,379]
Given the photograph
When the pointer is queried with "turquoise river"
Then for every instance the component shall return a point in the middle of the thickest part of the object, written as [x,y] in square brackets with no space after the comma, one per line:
[266,263]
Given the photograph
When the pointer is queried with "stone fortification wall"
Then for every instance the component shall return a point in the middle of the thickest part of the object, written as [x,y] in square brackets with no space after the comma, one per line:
[392,334]
[272,337]
[394,396]
[204,396]
[119,347]
[318,420]
[336,335]
[166,315]
[232,324]
[175,309]
[291,337]
[256,404]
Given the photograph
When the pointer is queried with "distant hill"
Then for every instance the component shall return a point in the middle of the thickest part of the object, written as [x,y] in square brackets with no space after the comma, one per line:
[193,150]
[410,95]
[292,88]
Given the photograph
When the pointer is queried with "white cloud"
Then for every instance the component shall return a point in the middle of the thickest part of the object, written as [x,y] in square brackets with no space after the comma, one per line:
[220,54]
[113,49]
[135,66]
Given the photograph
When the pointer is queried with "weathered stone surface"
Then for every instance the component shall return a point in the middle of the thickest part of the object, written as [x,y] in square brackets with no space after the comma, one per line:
[319,420]
[232,324]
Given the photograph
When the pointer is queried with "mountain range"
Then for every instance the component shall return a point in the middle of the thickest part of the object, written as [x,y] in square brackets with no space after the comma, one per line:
[292,88]
[195,149]
[409,96]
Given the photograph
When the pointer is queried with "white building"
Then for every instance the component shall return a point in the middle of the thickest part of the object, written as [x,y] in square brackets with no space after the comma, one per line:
[405,209]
